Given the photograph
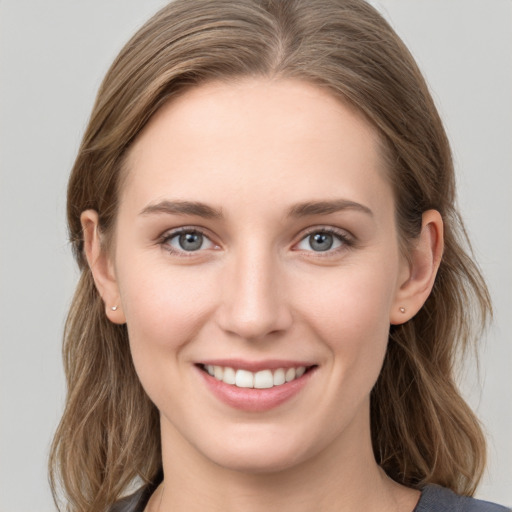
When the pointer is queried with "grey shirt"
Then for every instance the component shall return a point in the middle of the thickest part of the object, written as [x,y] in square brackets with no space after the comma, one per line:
[433,499]
[439,499]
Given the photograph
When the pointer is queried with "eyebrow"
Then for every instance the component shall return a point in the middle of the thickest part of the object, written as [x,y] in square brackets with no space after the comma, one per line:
[310,208]
[183,208]
[306,209]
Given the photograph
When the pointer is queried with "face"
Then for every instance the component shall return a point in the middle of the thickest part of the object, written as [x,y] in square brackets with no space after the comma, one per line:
[256,242]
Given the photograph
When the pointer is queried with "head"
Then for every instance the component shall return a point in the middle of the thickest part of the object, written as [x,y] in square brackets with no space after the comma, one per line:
[347,51]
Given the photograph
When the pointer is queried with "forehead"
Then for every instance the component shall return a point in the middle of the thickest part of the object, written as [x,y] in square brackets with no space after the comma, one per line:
[276,138]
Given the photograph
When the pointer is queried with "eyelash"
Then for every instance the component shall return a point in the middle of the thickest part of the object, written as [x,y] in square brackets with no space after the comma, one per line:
[346,240]
[164,241]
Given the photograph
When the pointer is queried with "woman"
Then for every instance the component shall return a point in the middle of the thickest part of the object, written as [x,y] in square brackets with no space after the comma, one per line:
[274,277]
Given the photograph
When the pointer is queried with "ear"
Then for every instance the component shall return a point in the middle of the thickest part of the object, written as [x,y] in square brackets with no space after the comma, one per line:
[420,269]
[101,267]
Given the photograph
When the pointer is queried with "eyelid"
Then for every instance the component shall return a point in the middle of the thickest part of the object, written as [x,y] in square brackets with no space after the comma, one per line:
[346,238]
[169,234]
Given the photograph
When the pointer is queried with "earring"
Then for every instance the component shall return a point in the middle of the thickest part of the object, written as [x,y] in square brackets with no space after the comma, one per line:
[114,308]
[402,310]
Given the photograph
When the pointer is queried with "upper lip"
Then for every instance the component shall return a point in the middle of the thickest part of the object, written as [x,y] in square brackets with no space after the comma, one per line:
[255,366]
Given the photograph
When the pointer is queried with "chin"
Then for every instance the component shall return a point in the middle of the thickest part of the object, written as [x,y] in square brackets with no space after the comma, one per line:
[256,455]
[257,463]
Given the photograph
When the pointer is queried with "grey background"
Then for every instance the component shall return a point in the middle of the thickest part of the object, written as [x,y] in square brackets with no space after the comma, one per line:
[53,54]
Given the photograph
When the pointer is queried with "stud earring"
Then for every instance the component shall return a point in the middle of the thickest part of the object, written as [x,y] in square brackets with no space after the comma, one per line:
[114,308]
[402,310]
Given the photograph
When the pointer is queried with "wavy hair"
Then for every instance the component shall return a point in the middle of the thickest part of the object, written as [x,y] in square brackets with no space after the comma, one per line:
[422,429]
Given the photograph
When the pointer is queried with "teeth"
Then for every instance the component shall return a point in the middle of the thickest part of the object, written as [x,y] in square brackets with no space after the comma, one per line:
[218,372]
[263,379]
[279,377]
[290,374]
[229,376]
[244,379]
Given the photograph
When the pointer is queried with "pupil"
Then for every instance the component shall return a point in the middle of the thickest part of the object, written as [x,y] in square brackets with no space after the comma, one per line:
[191,241]
[321,241]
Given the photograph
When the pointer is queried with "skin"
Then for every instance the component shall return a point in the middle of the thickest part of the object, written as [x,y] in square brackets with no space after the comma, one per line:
[256,290]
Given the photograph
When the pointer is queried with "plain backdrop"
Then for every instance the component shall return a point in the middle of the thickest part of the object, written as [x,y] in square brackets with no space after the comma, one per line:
[53,54]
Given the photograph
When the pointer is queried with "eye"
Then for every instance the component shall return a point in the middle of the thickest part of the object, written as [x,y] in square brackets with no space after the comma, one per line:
[323,240]
[187,240]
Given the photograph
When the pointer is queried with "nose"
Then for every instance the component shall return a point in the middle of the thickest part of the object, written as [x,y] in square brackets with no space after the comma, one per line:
[254,303]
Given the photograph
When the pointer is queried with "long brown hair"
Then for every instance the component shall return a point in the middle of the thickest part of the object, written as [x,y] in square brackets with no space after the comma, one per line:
[422,430]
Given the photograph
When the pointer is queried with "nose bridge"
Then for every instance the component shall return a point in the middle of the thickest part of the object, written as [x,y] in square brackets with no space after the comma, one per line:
[253,296]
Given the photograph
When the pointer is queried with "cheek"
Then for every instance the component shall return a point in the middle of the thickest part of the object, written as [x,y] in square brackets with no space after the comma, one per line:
[349,299]
[164,311]
[350,314]
[165,307]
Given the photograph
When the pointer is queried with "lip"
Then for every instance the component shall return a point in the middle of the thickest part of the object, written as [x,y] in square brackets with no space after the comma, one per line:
[256,366]
[250,399]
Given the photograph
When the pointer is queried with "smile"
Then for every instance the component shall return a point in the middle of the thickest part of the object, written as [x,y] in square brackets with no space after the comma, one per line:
[263,379]
[255,386]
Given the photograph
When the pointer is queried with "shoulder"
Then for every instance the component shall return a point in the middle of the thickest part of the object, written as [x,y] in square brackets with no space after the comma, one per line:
[439,499]
[134,503]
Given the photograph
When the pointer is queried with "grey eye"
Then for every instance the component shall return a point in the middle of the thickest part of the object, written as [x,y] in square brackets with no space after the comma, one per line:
[321,241]
[189,241]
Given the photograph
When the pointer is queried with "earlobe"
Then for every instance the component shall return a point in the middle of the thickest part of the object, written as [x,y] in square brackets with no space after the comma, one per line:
[423,264]
[101,266]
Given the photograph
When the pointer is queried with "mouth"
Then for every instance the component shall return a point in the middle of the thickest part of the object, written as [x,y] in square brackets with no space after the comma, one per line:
[262,379]
[255,386]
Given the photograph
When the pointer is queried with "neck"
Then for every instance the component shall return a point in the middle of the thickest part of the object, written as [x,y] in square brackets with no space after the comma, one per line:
[343,477]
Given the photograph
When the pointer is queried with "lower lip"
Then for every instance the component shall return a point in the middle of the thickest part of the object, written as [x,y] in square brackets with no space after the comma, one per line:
[255,400]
